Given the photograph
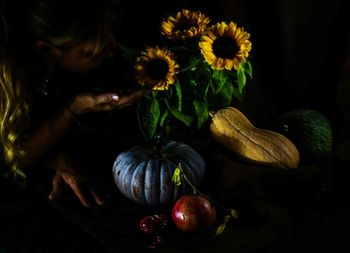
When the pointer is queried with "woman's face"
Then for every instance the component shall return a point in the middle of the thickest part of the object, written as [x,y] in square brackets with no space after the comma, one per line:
[83,57]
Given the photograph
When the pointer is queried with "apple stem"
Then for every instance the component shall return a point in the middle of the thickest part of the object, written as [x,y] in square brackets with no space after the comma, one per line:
[216,203]
[183,175]
[196,191]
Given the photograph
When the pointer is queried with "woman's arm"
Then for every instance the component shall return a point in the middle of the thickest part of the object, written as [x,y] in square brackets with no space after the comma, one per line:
[68,171]
[48,134]
[53,130]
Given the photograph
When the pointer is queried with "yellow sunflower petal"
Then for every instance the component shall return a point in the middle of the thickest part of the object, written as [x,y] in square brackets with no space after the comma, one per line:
[195,21]
[207,47]
[210,58]
[228,64]
[236,63]
[231,28]
[221,29]
[222,61]
[207,39]
[167,28]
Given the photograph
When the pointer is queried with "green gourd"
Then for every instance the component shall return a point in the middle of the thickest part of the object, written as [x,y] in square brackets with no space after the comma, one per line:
[309,130]
[144,173]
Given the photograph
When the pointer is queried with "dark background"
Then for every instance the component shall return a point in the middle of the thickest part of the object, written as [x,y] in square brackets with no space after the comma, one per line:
[301,59]
[300,52]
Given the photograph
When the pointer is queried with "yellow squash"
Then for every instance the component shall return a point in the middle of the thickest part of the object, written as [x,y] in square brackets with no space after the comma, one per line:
[234,131]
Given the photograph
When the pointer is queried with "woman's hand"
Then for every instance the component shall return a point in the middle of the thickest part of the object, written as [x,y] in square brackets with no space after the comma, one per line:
[67,176]
[84,103]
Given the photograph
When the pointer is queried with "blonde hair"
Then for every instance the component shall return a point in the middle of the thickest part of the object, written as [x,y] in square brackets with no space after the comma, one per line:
[13,119]
[51,21]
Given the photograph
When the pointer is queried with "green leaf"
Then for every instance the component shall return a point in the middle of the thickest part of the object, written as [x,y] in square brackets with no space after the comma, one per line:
[234,213]
[193,83]
[148,113]
[192,66]
[222,226]
[220,79]
[129,52]
[209,84]
[237,94]
[186,119]
[163,117]
[193,63]
[241,79]
[202,112]
[223,98]
[248,69]
[178,95]
[176,178]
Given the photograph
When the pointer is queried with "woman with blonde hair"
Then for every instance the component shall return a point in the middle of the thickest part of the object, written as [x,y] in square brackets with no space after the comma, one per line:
[41,42]
[65,92]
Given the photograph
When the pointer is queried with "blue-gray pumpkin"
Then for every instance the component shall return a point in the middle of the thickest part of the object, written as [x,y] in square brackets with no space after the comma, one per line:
[144,174]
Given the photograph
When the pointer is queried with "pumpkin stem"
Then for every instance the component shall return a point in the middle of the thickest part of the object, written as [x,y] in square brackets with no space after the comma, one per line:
[157,142]
[211,113]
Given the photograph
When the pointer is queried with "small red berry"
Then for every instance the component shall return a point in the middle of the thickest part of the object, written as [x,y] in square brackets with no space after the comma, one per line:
[153,224]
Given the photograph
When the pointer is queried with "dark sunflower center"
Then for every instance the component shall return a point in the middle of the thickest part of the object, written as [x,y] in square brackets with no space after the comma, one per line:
[157,69]
[183,26]
[225,47]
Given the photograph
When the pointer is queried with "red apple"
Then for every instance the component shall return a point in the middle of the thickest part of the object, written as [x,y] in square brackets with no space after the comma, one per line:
[193,212]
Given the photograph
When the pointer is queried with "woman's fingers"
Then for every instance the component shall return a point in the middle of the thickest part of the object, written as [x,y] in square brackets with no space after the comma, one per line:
[106,102]
[69,180]
[106,98]
[128,99]
[84,103]
[66,176]
[111,100]
[73,183]
[97,198]
[56,187]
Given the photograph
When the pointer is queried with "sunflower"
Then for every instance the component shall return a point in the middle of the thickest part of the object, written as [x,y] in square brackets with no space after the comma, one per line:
[184,25]
[225,46]
[156,68]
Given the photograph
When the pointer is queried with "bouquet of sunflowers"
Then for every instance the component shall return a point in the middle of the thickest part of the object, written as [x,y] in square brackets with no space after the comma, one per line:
[198,68]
